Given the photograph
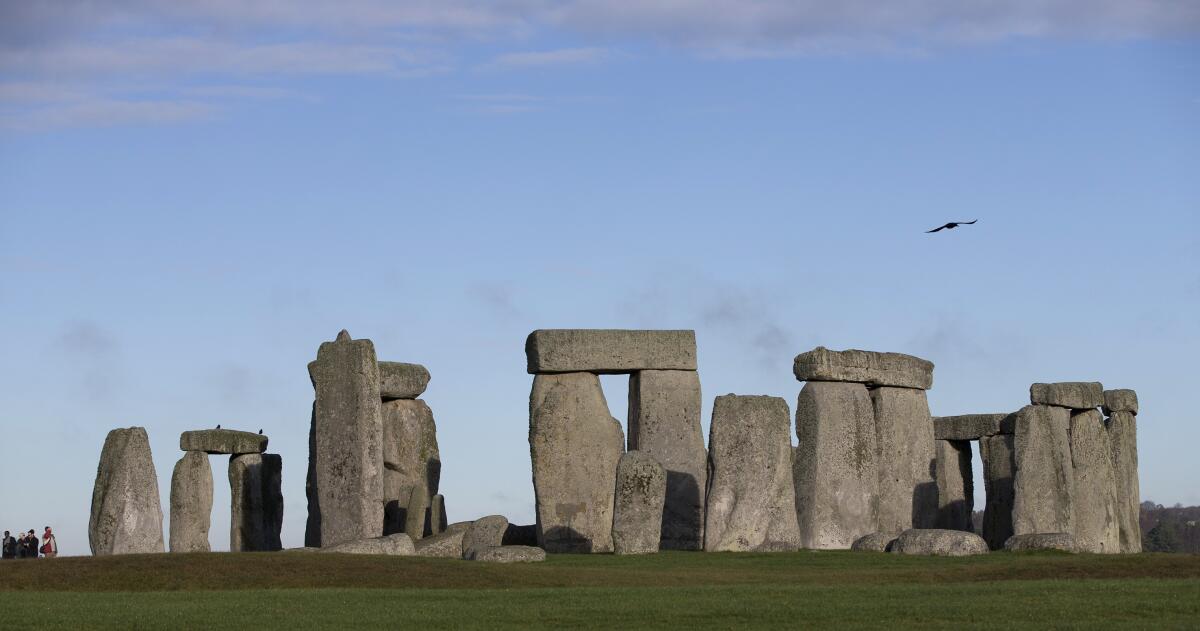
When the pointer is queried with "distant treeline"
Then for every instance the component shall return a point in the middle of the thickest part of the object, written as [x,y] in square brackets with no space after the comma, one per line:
[1164,528]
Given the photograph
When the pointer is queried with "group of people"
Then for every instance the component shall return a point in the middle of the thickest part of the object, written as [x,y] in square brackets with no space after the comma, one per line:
[25,545]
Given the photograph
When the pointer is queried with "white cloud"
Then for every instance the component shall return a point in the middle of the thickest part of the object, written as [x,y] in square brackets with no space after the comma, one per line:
[107,112]
[542,58]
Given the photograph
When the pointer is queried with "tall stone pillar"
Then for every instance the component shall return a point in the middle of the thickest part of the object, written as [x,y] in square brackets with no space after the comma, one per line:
[1121,406]
[999,468]
[1044,486]
[126,516]
[191,503]
[956,485]
[908,494]
[413,466]
[1097,528]
[256,502]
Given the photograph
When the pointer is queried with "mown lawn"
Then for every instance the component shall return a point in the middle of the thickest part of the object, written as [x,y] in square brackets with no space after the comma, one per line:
[669,590]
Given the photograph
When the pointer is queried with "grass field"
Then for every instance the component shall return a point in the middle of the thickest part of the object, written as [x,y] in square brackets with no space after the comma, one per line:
[669,590]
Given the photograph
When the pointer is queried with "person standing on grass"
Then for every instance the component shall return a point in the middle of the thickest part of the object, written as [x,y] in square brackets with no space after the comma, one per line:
[10,546]
[22,549]
[49,544]
[31,545]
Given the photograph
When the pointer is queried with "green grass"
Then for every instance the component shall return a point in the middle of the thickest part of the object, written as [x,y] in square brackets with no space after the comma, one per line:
[669,590]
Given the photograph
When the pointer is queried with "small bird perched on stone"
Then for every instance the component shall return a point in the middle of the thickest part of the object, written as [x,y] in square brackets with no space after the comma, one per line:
[952,225]
[260,432]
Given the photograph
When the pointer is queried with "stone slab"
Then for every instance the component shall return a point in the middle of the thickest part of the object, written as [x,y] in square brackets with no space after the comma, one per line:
[955,484]
[1120,400]
[398,380]
[399,544]
[446,544]
[1077,395]
[511,554]
[413,466]
[973,426]
[638,509]
[1122,438]
[1044,485]
[936,542]
[484,534]
[222,441]
[998,454]
[867,367]
[191,503]
[1061,541]
[874,542]
[126,517]
[905,457]
[609,351]
[1095,503]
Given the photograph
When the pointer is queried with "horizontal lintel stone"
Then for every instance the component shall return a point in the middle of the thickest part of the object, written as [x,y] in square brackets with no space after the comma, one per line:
[398,380]
[609,351]
[1121,400]
[223,441]
[868,367]
[973,426]
[1077,395]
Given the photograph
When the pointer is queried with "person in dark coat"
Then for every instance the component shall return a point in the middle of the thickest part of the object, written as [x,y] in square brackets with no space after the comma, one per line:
[31,544]
[10,546]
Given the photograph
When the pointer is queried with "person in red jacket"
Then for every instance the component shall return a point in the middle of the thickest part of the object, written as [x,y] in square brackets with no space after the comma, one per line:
[49,544]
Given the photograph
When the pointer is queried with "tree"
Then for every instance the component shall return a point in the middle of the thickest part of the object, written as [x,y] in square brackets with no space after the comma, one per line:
[1163,537]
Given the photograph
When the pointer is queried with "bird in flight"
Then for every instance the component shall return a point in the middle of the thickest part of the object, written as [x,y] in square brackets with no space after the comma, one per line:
[952,225]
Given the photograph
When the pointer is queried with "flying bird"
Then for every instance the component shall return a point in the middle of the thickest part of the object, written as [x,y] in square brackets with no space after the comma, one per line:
[952,225]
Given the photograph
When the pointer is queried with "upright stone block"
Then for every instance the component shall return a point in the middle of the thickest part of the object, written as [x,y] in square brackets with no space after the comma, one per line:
[398,380]
[1120,400]
[348,441]
[574,445]
[638,510]
[836,473]
[437,512]
[956,485]
[191,503]
[414,465]
[751,497]
[312,526]
[908,495]
[256,502]
[1077,395]
[609,351]
[999,467]
[1122,439]
[1044,486]
[126,516]
[664,422]
[866,367]
[272,495]
[1095,503]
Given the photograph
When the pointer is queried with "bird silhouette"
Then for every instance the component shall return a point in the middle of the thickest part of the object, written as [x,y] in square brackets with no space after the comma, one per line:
[952,225]
[218,426]
[260,432]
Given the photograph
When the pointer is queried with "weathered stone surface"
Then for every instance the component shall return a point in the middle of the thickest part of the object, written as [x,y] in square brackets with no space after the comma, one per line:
[973,426]
[751,499]
[905,457]
[943,543]
[1041,541]
[1044,486]
[399,544]
[955,484]
[999,466]
[664,422]
[191,503]
[126,516]
[835,471]
[398,380]
[413,466]
[446,544]
[867,367]
[348,441]
[609,351]
[437,515]
[638,510]
[511,554]
[516,535]
[1077,395]
[874,542]
[1096,526]
[484,533]
[312,526]
[1122,438]
[574,445]
[1120,400]
[272,494]
[256,502]
[223,441]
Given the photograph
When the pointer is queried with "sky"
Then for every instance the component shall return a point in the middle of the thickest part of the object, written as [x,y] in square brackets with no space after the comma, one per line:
[194,196]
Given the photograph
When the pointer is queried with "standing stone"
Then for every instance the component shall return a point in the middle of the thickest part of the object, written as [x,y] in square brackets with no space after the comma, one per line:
[908,495]
[1122,438]
[191,503]
[256,502]
[348,437]
[1077,395]
[398,380]
[638,512]
[1044,486]
[574,445]
[664,422]
[867,367]
[1096,525]
[126,516]
[608,351]
[413,466]
[955,484]
[751,498]
[312,527]
[836,474]
[437,515]
[272,494]
[999,467]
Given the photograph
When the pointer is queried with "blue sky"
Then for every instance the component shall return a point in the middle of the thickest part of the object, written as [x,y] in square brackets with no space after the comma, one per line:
[193,196]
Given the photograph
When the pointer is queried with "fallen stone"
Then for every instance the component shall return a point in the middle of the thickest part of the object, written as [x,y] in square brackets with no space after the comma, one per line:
[1041,541]
[1044,485]
[256,503]
[223,441]
[955,484]
[942,543]
[973,426]
[348,441]
[1077,395]
[398,380]
[413,466]
[516,535]
[638,511]
[835,471]
[664,423]
[399,544]
[751,498]
[1121,400]
[1122,438]
[999,466]
[867,367]
[191,503]
[609,351]
[126,517]
[574,445]
[484,533]
[874,542]
[447,544]
[905,457]
[1095,503]
[511,554]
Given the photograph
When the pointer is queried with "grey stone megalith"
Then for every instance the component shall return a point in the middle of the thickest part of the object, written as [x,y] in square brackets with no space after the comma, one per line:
[126,517]
[191,503]
[1122,437]
[664,422]
[956,485]
[999,468]
[346,443]
[483,534]
[1096,524]
[222,441]
[751,497]
[412,466]
[939,542]
[1044,485]
[256,503]
[996,451]
[908,493]
[609,351]
[574,446]
[399,380]
[638,507]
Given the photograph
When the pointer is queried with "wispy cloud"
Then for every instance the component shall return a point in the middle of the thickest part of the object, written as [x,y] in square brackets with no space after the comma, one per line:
[107,112]
[544,58]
